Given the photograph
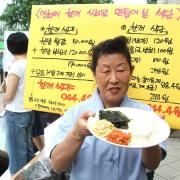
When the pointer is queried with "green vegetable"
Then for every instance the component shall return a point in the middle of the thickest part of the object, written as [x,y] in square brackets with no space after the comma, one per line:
[115,117]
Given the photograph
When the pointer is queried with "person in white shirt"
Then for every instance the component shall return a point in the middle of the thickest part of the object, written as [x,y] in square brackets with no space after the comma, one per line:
[19,121]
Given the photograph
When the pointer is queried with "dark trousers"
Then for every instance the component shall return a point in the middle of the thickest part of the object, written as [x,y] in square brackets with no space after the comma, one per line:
[150,175]
[1,75]
[4,162]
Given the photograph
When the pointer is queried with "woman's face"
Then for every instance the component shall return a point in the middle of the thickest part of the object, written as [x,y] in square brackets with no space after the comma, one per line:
[112,77]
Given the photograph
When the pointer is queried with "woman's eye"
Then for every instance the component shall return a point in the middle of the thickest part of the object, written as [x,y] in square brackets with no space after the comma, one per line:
[105,71]
[120,70]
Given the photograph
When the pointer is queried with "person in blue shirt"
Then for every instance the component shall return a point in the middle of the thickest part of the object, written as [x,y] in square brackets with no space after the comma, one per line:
[90,158]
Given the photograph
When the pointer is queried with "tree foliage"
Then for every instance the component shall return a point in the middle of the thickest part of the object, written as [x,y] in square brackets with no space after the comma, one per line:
[18,13]
[152,1]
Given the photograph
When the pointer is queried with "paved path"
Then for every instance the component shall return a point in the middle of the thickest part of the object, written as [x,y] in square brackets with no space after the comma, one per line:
[169,169]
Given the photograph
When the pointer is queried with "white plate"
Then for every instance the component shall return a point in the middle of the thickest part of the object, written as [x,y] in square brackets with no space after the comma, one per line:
[146,122]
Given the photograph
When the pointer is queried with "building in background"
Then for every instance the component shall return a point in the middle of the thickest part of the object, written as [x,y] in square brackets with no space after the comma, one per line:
[168,1]
[3,4]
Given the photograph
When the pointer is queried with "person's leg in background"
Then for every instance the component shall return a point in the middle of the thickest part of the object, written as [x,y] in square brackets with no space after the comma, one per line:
[38,142]
[4,162]
[38,131]
[42,119]
[17,125]
[30,150]
[150,175]
[1,75]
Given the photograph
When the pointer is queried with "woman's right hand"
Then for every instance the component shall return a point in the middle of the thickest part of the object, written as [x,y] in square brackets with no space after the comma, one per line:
[80,129]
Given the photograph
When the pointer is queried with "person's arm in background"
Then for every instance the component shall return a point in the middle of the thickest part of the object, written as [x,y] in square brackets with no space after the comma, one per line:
[65,152]
[11,87]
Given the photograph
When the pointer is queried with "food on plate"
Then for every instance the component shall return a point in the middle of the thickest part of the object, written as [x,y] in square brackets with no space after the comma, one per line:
[145,128]
[119,137]
[115,117]
[141,127]
[117,128]
[141,131]
[103,128]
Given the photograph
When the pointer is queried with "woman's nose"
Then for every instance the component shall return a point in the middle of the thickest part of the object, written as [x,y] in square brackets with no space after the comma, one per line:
[113,78]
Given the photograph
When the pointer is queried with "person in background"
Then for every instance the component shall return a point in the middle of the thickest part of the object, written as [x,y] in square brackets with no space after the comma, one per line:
[90,157]
[41,121]
[1,66]
[38,131]
[4,162]
[19,121]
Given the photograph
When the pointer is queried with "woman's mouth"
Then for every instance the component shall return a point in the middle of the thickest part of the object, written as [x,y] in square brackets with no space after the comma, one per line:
[114,90]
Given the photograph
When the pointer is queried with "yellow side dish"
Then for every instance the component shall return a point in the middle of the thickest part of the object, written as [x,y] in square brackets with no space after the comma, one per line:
[102,128]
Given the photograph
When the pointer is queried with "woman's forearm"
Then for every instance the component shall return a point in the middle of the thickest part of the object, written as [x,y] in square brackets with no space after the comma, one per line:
[64,153]
[151,157]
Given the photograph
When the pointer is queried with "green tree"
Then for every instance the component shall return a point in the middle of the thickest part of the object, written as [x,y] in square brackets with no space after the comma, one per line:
[17,14]
[152,1]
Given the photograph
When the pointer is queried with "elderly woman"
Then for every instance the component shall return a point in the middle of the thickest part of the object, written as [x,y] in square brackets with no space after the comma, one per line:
[91,158]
